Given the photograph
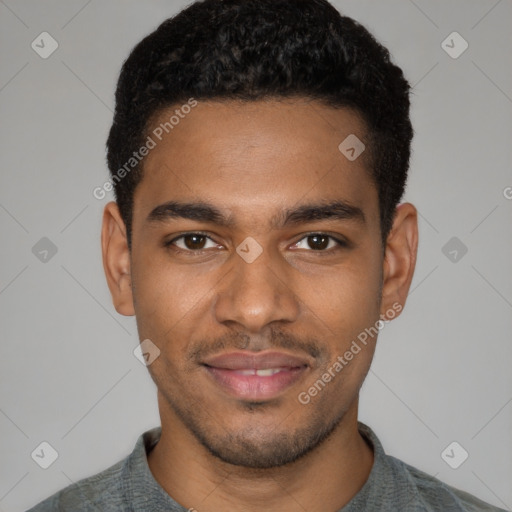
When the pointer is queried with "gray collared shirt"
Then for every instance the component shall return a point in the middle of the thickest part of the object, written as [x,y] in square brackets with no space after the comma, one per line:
[129,486]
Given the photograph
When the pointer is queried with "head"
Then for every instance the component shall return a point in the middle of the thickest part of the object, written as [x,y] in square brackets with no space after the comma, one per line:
[258,152]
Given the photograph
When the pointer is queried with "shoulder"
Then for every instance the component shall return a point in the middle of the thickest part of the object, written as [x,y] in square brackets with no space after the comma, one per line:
[113,489]
[395,485]
[102,491]
[435,495]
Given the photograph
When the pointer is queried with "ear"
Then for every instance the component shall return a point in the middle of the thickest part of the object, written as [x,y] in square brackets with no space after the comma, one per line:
[399,259]
[116,259]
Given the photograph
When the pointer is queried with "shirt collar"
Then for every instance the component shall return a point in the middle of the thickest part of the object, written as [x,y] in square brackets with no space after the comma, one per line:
[387,481]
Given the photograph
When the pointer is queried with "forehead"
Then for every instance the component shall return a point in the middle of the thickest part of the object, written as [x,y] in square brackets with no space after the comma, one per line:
[255,158]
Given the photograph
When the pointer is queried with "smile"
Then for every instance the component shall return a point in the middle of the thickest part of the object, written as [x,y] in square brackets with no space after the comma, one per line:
[255,376]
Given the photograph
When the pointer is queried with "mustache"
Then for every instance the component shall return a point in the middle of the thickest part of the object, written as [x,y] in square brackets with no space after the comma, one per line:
[276,339]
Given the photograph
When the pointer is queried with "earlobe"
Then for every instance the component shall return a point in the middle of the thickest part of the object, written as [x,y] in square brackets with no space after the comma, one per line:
[116,259]
[399,258]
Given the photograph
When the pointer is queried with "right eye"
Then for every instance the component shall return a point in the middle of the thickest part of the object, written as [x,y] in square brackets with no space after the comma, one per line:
[192,242]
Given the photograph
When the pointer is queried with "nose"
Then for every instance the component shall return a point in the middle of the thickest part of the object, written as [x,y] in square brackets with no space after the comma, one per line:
[256,294]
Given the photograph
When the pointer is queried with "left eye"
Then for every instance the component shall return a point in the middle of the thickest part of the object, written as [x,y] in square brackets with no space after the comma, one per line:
[318,242]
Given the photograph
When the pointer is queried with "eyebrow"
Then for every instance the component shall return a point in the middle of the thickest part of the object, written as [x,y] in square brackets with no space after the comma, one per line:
[205,212]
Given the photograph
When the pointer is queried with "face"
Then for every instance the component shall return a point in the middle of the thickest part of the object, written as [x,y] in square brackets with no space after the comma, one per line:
[256,262]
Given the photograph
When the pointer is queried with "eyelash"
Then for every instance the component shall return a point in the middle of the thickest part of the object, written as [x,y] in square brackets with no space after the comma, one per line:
[341,243]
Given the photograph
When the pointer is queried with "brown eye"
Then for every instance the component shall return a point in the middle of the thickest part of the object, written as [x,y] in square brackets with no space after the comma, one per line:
[192,242]
[319,242]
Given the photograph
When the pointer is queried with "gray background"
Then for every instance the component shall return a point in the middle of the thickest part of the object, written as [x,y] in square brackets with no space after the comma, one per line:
[68,374]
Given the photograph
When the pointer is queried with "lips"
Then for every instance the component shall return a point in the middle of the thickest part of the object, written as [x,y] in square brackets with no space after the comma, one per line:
[256,376]
[256,360]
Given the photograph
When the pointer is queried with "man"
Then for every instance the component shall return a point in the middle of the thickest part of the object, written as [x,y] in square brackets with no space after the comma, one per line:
[259,151]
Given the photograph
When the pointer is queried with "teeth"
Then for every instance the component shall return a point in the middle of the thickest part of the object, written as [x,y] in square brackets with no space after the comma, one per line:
[268,372]
[247,372]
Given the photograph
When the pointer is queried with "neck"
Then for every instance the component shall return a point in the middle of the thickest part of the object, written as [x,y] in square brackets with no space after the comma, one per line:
[327,478]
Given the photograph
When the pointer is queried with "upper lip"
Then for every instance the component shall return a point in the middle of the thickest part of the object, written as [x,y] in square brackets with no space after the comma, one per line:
[257,360]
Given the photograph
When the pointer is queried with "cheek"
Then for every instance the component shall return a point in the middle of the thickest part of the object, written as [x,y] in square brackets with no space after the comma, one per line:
[351,318]
[345,300]
[348,311]
[166,293]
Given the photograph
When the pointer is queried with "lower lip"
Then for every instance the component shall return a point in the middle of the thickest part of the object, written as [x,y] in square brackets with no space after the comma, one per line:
[254,387]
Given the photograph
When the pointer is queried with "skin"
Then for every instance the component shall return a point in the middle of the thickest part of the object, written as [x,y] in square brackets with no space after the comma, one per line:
[302,296]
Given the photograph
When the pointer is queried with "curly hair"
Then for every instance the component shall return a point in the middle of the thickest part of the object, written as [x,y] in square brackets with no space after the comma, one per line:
[254,49]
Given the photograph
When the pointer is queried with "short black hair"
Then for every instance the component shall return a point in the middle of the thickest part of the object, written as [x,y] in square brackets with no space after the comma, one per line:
[250,50]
